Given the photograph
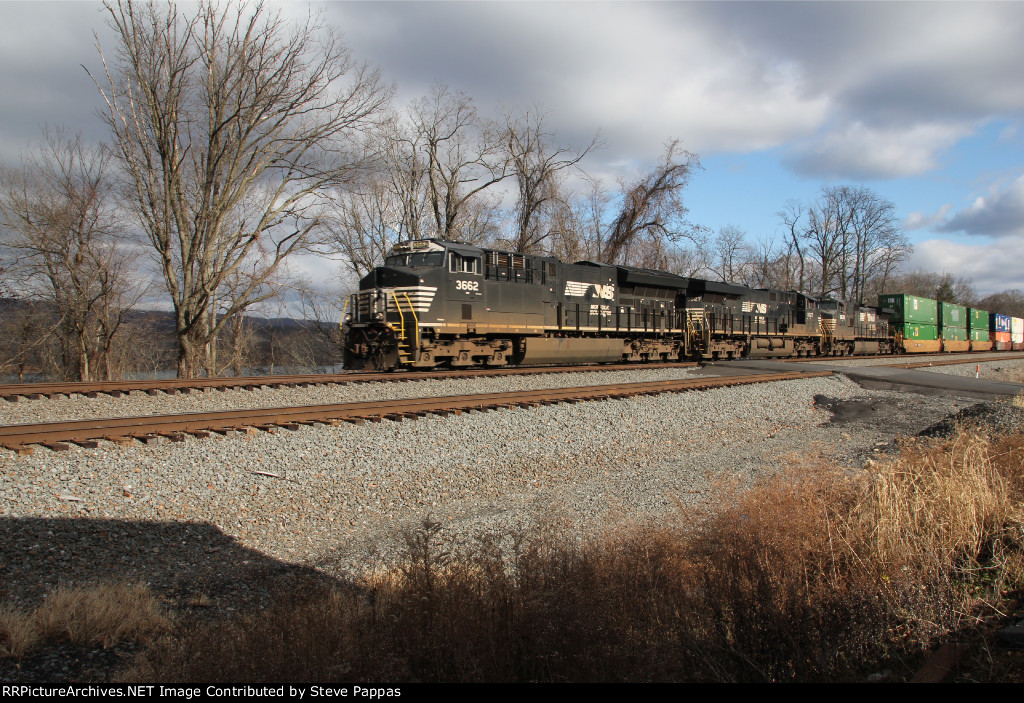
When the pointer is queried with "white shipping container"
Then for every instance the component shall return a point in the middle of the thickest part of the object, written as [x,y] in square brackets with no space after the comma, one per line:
[1017,330]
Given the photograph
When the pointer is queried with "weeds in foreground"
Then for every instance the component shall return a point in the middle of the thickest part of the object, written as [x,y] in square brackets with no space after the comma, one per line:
[814,575]
[102,615]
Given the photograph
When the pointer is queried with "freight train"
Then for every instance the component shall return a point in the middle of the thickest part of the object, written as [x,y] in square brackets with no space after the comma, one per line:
[438,303]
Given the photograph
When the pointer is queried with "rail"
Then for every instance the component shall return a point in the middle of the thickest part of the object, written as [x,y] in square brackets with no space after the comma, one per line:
[57,435]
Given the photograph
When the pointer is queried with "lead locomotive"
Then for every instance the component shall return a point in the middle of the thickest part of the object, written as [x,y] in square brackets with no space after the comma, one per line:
[439,303]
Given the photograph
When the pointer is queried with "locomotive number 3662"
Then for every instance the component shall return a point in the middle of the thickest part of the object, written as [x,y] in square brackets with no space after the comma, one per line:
[467,285]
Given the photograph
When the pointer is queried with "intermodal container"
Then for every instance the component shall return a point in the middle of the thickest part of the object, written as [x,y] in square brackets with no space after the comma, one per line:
[955,334]
[1002,341]
[923,333]
[999,323]
[1017,330]
[977,319]
[980,335]
[953,315]
[911,308]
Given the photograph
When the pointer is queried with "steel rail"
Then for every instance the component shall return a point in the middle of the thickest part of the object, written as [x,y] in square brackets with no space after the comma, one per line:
[952,362]
[13,391]
[56,435]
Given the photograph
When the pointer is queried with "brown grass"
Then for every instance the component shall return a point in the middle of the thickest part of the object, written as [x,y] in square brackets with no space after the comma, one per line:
[814,575]
[102,615]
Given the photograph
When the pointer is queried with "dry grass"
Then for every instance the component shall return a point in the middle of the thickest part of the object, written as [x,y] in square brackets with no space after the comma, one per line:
[813,575]
[102,615]
[18,633]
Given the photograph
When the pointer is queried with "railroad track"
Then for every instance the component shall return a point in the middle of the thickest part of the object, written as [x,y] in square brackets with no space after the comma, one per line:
[939,359]
[952,362]
[12,392]
[87,433]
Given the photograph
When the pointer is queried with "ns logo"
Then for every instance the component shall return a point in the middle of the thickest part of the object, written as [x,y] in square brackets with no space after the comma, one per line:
[579,289]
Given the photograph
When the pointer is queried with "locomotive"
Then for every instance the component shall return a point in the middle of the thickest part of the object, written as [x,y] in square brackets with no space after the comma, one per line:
[439,303]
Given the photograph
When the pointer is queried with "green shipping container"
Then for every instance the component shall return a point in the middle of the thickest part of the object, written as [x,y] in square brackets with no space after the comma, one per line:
[923,333]
[977,320]
[953,315]
[955,334]
[979,334]
[911,308]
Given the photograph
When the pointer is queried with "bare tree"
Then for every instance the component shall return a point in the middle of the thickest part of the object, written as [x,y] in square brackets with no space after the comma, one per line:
[941,286]
[732,255]
[366,222]
[57,213]
[692,258]
[652,205]
[464,156]
[231,125]
[435,165]
[792,216]
[1007,302]
[852,236]
[538,166]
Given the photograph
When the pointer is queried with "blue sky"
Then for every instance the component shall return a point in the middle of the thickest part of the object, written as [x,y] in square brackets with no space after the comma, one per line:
[922,102]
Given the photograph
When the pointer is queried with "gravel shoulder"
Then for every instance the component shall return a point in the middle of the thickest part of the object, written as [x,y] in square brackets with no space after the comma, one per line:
[217,516]
[138,403]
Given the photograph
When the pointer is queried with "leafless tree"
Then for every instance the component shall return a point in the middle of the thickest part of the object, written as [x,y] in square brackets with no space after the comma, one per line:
[436,163]
[1008,302]
[941,286]
[792,219]
[732,255]
[538,166]
[365,223]
[463,154]
[692,258]
[231,125]
[652,205]
[853,237]
[58,215]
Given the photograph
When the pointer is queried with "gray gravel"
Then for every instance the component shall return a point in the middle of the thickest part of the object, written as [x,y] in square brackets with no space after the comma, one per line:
[138,403]
[204,515]
[1011,370]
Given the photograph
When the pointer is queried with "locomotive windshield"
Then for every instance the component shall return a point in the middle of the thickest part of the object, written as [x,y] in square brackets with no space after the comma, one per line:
[432,259]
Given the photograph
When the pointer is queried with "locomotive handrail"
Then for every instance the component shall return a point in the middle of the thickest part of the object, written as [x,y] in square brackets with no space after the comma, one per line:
[414,347]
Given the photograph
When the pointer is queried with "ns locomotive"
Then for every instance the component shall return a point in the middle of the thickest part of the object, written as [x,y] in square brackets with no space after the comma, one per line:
[438,303]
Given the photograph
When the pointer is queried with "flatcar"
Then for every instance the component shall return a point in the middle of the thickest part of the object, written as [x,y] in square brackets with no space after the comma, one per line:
[437,303]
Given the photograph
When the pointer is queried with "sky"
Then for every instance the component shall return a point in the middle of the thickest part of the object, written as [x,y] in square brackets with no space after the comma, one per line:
[923,102]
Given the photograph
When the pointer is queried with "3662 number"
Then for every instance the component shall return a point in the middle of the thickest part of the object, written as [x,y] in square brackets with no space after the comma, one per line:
[467,285]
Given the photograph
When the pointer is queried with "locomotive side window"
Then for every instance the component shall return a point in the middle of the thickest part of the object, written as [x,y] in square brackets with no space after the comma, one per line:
[463,264]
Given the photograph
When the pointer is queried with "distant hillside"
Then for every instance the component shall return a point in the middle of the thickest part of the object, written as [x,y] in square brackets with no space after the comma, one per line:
[30,344]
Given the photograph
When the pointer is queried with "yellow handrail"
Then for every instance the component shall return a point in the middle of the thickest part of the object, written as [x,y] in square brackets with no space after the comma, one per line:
[415,321]
[341,322]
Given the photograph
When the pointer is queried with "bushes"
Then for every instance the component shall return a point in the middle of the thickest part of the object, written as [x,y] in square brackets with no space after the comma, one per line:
[813,575]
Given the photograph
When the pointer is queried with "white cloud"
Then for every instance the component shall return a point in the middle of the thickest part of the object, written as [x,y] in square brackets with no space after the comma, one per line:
[921,220]
[988,265]
[861,151]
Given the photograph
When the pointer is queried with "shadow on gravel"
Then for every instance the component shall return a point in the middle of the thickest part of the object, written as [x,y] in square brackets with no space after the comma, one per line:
[190,563]
[991,417]
[847,411]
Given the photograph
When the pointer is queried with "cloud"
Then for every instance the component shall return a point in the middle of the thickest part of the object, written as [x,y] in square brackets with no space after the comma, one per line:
[861,90]
[984,264]
[852,90]
[921,220]
[999,214]
[862,151]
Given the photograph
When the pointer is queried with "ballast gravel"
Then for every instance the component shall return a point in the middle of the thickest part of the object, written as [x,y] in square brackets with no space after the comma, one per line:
[138,403]
[207,517]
